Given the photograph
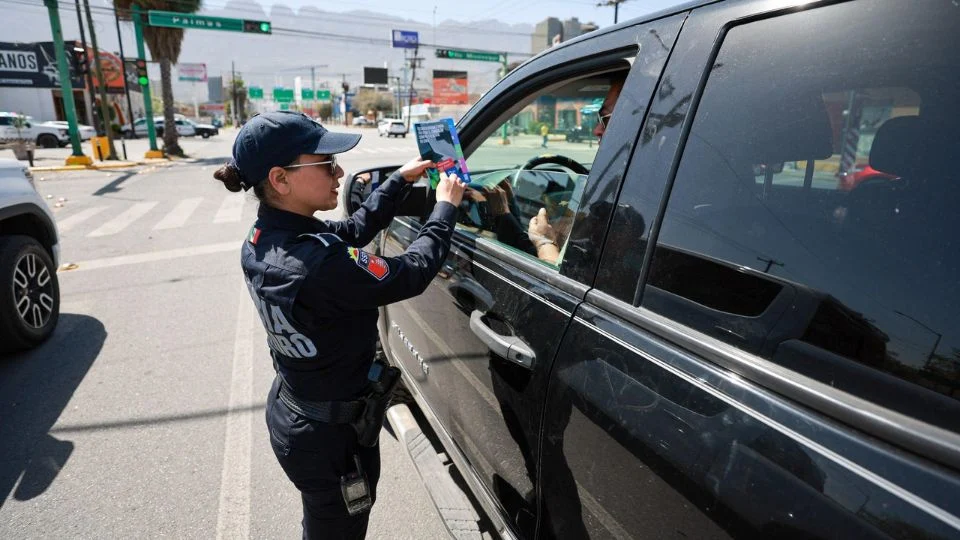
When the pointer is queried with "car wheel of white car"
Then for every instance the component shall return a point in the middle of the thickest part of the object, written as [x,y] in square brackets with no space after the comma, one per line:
[47,140]
[29,293]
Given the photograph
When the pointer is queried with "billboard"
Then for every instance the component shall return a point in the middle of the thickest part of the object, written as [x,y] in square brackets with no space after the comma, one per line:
[450,87]
[372,75]
[32,65]
[192,72]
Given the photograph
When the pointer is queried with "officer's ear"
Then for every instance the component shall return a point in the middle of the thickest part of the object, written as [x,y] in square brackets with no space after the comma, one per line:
[279,180]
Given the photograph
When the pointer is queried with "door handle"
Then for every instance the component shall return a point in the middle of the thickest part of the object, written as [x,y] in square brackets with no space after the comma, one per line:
[510,347]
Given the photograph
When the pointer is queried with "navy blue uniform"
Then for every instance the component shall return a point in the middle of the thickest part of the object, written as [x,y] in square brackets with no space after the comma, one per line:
[317,293]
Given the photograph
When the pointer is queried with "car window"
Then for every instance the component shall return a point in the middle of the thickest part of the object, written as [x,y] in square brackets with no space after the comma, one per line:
[538,160]
[6,121]
[813,218]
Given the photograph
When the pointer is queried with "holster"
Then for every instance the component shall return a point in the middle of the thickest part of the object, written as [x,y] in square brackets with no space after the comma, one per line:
[376,401]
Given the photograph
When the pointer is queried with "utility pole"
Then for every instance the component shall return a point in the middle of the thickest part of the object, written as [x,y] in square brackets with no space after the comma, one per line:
[413,77]
[104,106]
[126,91]
[88,80]
[616,7]
[233,93]
[77,158]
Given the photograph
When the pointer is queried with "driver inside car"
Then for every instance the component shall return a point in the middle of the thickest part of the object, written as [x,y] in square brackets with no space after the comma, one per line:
[543,233]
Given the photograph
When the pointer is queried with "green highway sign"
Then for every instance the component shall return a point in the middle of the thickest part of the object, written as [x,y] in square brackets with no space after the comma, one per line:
[284,106]
[455,54]
[323,95]
[283,95]
[306,93]
[173,19]
[255,92]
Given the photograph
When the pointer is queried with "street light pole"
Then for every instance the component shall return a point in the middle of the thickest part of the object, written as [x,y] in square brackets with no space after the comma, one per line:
[77,158]
[101,82]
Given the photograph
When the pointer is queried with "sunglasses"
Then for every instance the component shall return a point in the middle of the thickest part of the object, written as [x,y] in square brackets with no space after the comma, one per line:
[602,119]
[332,162]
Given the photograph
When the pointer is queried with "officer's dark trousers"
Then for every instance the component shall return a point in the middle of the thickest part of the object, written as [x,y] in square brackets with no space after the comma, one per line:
[315,455]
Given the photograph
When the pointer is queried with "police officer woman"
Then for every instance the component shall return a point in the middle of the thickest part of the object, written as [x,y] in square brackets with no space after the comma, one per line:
[317,294]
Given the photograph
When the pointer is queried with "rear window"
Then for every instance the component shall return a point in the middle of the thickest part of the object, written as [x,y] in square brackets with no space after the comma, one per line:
[814,217]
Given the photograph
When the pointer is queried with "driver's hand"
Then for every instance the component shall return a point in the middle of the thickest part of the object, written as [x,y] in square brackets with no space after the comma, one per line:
[540,231]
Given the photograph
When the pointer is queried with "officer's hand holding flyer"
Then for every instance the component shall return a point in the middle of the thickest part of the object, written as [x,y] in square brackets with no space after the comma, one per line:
[438,142]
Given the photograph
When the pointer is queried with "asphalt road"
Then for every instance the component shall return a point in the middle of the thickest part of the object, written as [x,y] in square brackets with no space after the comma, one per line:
[143,416]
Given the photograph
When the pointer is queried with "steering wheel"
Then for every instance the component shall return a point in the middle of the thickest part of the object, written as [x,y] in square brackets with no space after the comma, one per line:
[562,161]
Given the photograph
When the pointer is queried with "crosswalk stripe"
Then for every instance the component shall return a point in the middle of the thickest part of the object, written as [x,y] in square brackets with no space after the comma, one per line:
[78,218]
[121,222]
[231,209]
[179,215]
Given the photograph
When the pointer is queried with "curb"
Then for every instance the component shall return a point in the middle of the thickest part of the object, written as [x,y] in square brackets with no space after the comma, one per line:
[99,166]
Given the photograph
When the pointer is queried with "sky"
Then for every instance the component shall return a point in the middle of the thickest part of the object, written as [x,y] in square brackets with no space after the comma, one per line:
[508,11]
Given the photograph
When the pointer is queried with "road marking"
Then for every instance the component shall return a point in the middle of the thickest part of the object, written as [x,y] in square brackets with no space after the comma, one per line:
[122,221]
[154,256]
[179,215]
[233,517]
[231,209]
[78,218]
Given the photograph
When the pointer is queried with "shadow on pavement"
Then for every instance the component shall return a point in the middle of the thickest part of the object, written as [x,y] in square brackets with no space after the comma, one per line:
[35,388]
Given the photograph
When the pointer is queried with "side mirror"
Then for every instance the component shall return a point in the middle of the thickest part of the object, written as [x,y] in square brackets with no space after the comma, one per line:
[414,203]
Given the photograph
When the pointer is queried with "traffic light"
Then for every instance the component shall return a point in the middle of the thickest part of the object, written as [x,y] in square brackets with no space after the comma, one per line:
[142,78]
[79,61]
[257,27]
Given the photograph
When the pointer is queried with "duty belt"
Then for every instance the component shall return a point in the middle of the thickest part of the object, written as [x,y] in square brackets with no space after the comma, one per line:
[331,412]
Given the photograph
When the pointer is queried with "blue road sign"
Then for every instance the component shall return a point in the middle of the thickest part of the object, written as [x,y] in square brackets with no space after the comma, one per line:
[405,39]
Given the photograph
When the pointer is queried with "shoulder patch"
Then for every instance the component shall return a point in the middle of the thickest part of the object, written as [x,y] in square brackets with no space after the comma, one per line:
[327,239]
[375,266]
[254,235]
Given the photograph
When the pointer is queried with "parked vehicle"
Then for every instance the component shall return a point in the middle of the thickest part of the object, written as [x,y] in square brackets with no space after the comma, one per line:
[29,253]
[46,136]
[85,131]
[184,128]
[725,347]
[361,121]
[203,130]
[391,127]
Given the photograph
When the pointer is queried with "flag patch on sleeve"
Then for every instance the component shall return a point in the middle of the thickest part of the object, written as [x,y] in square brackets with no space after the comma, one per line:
[254,235]
[375,266]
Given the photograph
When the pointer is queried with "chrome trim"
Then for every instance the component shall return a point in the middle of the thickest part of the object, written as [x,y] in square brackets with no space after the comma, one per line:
[490,507]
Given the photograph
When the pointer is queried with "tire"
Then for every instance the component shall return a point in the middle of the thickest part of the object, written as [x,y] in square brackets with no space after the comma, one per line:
[46,140]
[205,135]
[404,135]
[29,293]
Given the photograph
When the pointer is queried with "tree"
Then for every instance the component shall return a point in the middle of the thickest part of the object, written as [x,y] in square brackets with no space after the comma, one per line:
[164,44]
[238,95]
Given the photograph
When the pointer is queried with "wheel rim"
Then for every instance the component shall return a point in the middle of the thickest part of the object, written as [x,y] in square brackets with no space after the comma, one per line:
[33,291]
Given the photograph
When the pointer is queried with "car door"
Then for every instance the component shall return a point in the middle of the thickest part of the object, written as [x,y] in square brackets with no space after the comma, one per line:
[480,341]
[779,361]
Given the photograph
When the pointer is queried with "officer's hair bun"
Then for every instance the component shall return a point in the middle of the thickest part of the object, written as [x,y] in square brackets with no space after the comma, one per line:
[229,174]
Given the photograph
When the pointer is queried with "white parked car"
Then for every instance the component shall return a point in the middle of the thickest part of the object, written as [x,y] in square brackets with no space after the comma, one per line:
[29,254]
[391,127]
[86,132]
[17,126]
[184,127]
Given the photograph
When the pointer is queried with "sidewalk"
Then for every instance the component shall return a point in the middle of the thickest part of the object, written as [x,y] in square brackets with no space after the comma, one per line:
[54,159]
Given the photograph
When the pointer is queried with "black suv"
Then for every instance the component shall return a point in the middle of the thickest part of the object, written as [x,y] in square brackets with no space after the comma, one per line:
[733,342]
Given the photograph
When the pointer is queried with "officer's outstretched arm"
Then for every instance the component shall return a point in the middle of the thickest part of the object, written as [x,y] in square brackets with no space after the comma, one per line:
[350,278]
[373,215]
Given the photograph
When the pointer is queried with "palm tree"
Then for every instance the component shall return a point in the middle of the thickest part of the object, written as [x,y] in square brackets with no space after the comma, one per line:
[164,44]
